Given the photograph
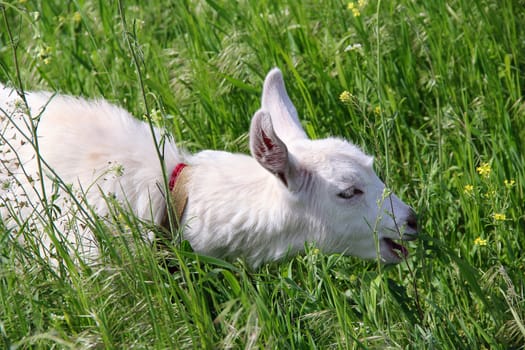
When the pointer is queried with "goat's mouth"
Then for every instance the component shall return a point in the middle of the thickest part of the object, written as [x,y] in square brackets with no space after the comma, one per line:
[392,252]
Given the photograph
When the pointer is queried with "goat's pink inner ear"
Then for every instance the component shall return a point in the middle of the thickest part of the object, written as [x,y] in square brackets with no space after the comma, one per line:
[272,154]
[270,145]
[267,148]
[267,141]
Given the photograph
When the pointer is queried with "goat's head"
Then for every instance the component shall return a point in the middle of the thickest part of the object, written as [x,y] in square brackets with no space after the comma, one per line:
[333,179]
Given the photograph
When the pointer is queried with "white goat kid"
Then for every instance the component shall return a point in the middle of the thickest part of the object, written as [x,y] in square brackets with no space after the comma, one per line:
[294,190]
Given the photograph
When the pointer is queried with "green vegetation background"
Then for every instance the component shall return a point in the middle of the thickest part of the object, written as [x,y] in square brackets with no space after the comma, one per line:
[434,89]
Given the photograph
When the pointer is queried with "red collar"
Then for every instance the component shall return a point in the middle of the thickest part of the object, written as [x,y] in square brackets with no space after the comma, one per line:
[178,196]
[175,174]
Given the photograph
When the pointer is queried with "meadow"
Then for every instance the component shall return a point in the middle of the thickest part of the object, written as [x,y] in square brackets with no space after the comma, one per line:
[433,89]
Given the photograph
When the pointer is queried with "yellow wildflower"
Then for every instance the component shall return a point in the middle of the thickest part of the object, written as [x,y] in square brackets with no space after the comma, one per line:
[484,169]
[355,9]
[377,110]
[468,189]
[77,17]
[509,183]
[490,194]
[480,241]
[361,3]
[345,97]
[44,53]
[499,216]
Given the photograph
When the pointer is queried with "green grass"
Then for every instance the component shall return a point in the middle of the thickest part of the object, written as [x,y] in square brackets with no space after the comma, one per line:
[436,91]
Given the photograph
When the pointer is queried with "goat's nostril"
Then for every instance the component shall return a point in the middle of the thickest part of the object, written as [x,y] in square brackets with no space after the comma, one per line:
[412,220]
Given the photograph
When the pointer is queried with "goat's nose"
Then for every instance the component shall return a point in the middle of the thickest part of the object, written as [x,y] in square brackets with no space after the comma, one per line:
[412,220]
[411,226]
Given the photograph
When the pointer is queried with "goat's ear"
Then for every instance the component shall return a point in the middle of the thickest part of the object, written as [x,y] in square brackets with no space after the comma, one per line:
[268,149]
[275,101]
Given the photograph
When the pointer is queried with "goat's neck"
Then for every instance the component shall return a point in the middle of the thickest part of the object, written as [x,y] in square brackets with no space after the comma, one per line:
[237,208]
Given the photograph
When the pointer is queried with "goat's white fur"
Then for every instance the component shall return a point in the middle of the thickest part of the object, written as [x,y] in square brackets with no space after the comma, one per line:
[259,208]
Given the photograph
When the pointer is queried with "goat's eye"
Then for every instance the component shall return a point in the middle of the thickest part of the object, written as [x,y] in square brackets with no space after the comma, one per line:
[349,193]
